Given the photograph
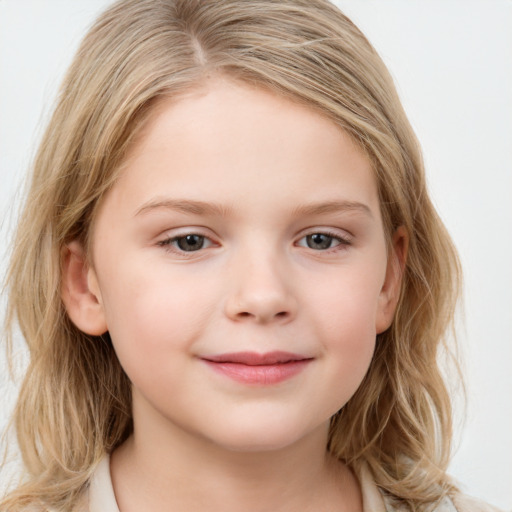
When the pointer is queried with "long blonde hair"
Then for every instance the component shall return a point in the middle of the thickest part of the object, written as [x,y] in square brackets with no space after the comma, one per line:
[75,400]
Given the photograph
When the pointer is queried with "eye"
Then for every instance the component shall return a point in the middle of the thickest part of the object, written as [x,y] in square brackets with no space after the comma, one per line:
[190,242]
[322,241]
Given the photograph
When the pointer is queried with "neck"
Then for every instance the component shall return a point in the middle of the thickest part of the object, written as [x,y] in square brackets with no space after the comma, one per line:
[162,467]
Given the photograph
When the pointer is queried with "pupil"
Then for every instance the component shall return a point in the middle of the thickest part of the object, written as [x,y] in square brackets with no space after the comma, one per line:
[190,242]
[319,241]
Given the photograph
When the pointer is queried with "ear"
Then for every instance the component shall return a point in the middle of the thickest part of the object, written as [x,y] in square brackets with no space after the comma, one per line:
[390,292]
[80,291]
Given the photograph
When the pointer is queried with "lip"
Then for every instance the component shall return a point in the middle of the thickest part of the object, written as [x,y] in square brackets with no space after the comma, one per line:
[258,369]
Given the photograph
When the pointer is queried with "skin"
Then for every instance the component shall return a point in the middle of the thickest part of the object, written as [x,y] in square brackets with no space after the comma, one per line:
[202,440]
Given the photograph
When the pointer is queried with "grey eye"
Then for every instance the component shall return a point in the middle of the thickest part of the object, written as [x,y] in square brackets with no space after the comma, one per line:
[190,243]
[320,241]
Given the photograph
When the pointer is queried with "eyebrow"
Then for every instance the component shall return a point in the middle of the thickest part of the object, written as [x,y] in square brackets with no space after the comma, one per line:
[333,207]
[184,206]
[206,208]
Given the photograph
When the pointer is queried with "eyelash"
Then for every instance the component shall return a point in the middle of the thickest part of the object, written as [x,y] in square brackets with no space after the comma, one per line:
[343,241]
[167,244]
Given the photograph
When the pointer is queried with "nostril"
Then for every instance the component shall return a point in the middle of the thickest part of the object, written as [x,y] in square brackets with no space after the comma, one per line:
[246,314]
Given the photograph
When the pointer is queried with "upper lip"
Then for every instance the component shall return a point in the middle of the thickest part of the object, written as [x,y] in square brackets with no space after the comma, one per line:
[255,358]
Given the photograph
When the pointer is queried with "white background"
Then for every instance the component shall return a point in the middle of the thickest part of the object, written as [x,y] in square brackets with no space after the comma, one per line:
[452,62]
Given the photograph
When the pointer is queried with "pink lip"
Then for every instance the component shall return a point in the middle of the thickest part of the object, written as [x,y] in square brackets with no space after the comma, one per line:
[254,368]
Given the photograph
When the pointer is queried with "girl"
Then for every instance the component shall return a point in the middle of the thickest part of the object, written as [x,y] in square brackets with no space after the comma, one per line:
[231,279]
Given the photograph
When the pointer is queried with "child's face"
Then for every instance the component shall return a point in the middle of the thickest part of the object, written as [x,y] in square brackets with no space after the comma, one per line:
[242,225]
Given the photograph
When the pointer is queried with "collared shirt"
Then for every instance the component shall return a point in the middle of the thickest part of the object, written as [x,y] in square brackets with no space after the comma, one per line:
[102,499]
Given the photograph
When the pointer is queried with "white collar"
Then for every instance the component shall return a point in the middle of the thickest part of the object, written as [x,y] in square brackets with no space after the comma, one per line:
[101,492]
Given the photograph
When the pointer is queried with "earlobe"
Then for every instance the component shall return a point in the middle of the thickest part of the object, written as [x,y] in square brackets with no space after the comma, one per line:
[390,292]
[80,291]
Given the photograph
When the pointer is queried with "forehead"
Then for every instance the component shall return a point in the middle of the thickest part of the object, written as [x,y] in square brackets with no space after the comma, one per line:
[243,146]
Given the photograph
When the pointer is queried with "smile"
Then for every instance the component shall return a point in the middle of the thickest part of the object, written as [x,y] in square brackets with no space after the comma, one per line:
[259,369]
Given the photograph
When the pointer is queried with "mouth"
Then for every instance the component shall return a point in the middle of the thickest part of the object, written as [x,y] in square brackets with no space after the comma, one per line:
[258,369]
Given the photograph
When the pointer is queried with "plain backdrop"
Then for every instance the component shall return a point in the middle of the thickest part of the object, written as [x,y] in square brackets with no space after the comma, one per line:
[452,63]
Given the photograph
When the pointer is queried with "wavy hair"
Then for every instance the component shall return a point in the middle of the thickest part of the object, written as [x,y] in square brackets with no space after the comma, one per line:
[75,400]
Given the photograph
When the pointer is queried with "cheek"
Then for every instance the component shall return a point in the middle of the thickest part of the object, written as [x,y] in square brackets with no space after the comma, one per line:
[344,320]
[154,314]
[347,306]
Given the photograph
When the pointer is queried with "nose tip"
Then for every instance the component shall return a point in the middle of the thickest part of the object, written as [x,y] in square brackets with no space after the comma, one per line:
[261,301]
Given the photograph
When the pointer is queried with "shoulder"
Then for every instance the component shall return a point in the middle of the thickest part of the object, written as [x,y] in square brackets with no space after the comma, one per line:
[97,497]
[375,499]
[81,506]
[459,502]
[465,503]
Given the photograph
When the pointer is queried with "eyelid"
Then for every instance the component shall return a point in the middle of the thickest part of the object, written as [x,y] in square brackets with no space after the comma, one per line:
[181,231]
[342,234]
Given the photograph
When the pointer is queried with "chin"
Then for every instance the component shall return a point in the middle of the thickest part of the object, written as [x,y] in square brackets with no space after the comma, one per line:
[263,437]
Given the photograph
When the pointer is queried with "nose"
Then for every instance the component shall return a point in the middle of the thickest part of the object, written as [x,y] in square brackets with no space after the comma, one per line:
[260,292]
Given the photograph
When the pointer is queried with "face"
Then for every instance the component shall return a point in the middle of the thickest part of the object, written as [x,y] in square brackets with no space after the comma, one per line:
[241,269]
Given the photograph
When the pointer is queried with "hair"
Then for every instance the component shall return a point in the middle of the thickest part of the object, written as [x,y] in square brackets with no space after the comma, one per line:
[75,400]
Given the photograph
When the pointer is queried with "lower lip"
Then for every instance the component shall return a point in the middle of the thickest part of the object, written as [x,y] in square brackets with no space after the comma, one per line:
[263,375]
